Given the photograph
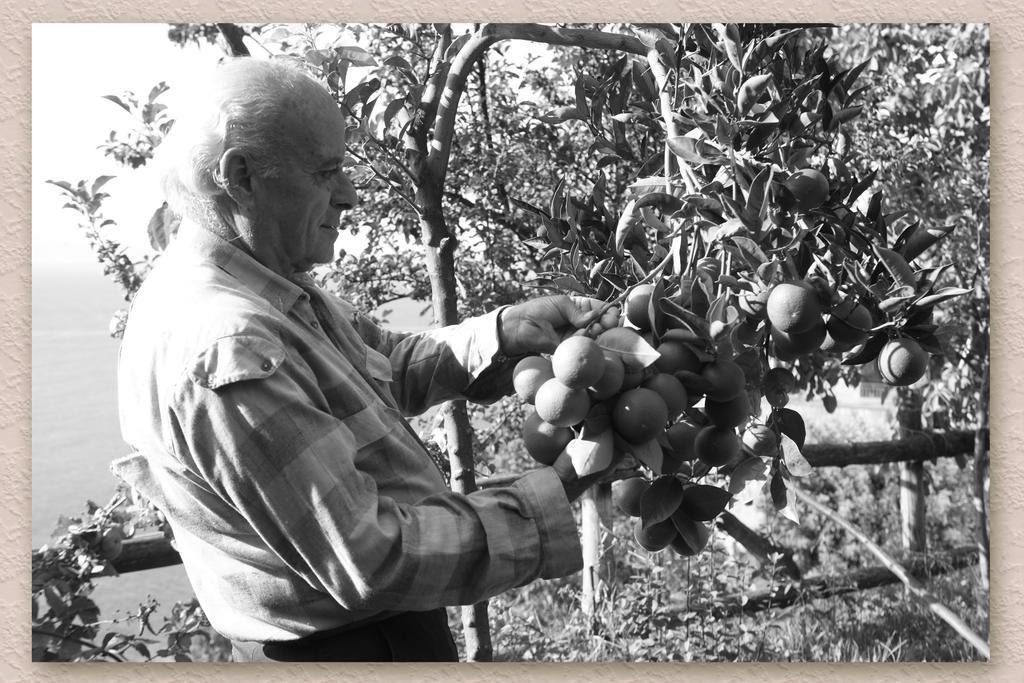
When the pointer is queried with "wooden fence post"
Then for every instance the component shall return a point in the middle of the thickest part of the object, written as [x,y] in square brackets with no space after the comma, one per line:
[912,486]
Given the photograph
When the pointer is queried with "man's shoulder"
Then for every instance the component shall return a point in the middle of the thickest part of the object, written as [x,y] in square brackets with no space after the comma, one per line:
[187,314]
[198,293]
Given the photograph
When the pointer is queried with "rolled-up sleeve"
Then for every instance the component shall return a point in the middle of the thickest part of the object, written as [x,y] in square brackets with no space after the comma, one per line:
[453,362]
[292,471]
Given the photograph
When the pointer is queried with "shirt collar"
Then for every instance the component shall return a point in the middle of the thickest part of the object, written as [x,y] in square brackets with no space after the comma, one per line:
[194,241]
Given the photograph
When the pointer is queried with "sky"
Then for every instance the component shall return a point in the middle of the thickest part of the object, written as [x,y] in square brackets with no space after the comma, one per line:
[70,119]
[73,67]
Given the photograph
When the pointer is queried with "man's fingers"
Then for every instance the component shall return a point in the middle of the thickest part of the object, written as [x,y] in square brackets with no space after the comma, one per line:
[580,311]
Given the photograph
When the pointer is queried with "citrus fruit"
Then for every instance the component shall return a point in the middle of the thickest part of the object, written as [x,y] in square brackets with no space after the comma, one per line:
[671,391]
[530,373]
[902,362]
[761,440]
[577,362]
[726,379]
[544,441]
[793,307]
[560,405]
[790,345]
[639,415]
[681,438]
[626,494]
[809,187]
[716,446]
[730,413]
[655,537]
[637,306]
[611,379]
[830,345]
[676,356]
[633,377]
[850,329]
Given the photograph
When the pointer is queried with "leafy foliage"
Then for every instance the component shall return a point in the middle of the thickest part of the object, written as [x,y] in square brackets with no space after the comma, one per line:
[66,623]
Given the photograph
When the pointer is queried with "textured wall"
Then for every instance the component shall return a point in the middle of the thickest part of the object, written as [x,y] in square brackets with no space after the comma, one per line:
[1007,35]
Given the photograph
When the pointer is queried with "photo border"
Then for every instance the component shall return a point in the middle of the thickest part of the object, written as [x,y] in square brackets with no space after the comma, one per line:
[1007,395]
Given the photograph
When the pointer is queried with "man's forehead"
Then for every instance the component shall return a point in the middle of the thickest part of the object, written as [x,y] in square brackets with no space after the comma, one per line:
[318,128]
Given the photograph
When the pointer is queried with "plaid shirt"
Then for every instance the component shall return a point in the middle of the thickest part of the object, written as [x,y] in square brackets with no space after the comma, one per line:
[267,422]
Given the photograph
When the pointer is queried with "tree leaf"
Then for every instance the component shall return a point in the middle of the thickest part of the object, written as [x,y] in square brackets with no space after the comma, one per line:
[355,55]
[630,346]
[591,453]
[858,189]
[922,239]
[750,250]
[748,479]
[403,65]
[703,503]
[750,92]
[757,196]
[696,151]
[660,500]
[848,114]
[730,36]
[649,453]
[941,295]
[691,532]
[896,266]
[629,226]
[868,352]
[791,424]
[795,461]
[118,101]
[560,115]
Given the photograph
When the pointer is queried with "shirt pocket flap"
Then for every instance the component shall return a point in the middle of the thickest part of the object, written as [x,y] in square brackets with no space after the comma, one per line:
[234,359]
[378,365]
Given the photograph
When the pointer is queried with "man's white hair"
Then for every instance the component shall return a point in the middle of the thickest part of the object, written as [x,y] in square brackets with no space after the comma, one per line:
[240,105]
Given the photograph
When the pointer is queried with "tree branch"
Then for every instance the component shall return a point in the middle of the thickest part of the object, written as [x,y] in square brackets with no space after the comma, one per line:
[233,34]
[913,585]
[444,127]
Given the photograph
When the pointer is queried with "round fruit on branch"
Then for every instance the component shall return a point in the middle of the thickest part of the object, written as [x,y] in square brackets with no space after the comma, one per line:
[809,188]
[530,373]
[717,446]
[725,379]
[611,379]
[639,415]
[626,494]
[793,307]
[544,441]
[902,362]
[578,362]
[560,405]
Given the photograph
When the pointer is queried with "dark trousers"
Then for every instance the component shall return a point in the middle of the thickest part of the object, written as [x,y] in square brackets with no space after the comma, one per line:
[406,637]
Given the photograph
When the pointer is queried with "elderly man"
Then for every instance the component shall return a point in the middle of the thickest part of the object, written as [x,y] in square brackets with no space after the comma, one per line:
[266,416]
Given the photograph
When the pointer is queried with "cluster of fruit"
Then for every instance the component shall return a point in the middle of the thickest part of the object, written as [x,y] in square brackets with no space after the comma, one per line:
[598,399]
[799,325]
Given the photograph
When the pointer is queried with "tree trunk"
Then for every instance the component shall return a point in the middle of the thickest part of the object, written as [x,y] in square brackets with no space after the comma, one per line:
[598,561]
[912,491]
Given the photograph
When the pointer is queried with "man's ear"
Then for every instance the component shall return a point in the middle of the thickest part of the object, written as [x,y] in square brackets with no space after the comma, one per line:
[236,176]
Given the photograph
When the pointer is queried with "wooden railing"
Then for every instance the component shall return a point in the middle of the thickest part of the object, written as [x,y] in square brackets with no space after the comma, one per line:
[154,550]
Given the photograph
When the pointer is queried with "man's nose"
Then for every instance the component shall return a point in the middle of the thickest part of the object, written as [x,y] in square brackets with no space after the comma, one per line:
[344,195]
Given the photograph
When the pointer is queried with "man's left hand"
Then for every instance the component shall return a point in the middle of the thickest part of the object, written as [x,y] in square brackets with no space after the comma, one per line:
[538,325]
